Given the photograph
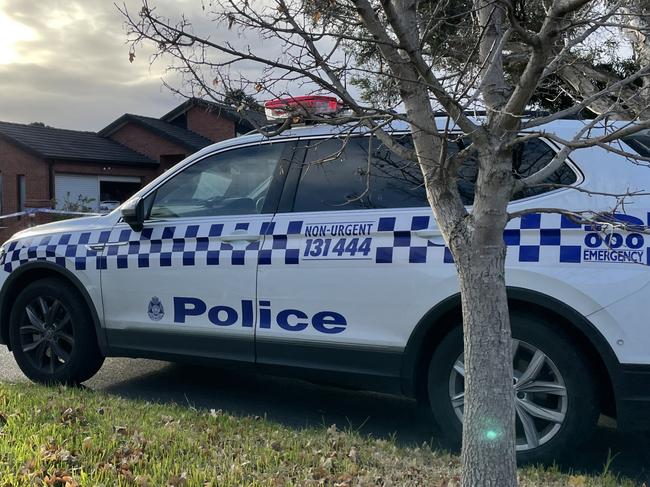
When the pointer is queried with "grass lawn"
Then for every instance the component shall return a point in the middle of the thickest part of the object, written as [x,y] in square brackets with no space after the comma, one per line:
[72,437]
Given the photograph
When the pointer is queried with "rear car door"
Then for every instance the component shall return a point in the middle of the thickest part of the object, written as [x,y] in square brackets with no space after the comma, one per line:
[186,283]
[353,262]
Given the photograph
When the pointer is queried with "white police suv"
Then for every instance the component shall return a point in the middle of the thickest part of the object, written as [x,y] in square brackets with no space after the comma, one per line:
[316,254]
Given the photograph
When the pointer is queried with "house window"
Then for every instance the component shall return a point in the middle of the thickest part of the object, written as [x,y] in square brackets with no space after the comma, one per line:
[21,192]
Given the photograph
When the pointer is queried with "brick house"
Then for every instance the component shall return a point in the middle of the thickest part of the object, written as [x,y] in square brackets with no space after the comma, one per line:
[41,166]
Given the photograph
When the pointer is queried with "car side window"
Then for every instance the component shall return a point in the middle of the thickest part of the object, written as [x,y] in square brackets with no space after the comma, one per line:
[229,183]
[527,159]
[531,157]
[357,173]
[361,173]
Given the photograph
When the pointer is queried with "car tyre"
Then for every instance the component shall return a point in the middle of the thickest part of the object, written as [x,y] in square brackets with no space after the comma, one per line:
[52,334]
[564,365]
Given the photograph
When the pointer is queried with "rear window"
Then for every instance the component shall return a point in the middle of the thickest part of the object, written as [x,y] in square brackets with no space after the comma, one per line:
[639,142]
[527,159]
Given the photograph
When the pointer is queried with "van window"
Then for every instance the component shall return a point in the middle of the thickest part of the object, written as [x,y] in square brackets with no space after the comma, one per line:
[361,173]
[230,183]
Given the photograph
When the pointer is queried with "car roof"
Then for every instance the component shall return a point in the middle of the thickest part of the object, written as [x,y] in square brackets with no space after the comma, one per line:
[563,127]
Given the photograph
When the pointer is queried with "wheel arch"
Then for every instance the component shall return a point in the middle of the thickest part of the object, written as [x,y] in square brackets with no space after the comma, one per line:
[446,315]
[31,272]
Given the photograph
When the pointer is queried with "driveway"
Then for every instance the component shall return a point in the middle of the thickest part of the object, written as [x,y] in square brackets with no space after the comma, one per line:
[296,404]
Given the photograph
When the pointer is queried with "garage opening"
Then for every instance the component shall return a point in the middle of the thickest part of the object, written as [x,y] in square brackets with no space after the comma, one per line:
[93,193]
[76,192]
[117,190]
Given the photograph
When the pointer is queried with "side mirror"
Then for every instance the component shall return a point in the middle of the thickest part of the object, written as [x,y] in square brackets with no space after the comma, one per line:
[133,213]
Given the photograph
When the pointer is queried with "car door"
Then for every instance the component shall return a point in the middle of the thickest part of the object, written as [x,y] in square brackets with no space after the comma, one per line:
[185,285]
[352,264]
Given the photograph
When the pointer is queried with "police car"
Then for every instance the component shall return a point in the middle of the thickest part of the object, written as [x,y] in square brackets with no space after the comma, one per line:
[314,253]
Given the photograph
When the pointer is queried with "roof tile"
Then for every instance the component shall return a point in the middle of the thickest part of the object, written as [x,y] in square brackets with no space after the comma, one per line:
[53,143]
[187,138]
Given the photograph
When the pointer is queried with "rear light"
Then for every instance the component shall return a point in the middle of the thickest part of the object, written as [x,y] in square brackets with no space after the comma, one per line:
[302,106]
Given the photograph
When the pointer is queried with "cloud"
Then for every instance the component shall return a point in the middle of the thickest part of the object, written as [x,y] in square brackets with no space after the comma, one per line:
[73,69]
[61,99]
[75,72]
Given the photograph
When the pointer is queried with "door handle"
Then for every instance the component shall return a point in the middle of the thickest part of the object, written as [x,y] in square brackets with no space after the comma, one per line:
[428,233]
[432,236]
[239,237]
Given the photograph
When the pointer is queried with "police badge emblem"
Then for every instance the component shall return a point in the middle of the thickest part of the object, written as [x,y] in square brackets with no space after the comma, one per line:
[156,310]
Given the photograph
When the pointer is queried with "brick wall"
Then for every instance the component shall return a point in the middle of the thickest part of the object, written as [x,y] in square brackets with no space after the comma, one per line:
[211,125]
[15,161]
[145,142]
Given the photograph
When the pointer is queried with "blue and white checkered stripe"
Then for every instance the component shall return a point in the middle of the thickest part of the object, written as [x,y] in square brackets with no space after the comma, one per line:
[406,247]
[544,237]
[533,238]
[285,240]
[187,245]
[160,246]
[67,249]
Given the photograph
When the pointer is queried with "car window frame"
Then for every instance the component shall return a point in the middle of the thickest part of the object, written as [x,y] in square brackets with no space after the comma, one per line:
[293,179]
[272,196]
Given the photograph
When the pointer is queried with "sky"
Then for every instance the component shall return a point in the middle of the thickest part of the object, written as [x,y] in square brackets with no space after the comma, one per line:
[66,63]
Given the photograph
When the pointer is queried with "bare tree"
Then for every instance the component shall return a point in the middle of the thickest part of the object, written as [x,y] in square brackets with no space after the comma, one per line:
[403,51]
[610,47]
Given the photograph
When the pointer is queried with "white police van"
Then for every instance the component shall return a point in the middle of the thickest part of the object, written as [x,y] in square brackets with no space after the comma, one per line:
[315,254]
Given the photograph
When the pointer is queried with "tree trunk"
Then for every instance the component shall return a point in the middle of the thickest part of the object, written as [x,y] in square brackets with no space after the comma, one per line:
[488,452]
[476,242]
[488,455]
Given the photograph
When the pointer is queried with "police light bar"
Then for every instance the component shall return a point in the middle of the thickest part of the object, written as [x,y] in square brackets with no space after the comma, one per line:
[302,106]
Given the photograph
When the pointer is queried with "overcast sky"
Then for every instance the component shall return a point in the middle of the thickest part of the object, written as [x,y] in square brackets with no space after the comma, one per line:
[65,63]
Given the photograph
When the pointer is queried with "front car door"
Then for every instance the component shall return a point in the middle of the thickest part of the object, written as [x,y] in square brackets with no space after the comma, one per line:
[186,284]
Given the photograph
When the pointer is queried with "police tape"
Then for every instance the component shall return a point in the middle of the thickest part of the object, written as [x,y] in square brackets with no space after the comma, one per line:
[34,211]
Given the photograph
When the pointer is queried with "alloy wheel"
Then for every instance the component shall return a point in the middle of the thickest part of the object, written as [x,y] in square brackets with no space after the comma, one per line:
[46,334]
[540,395]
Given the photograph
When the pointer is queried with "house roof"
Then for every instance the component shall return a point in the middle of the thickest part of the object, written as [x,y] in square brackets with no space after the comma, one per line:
[70,145]
[243,119]
[185,138]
